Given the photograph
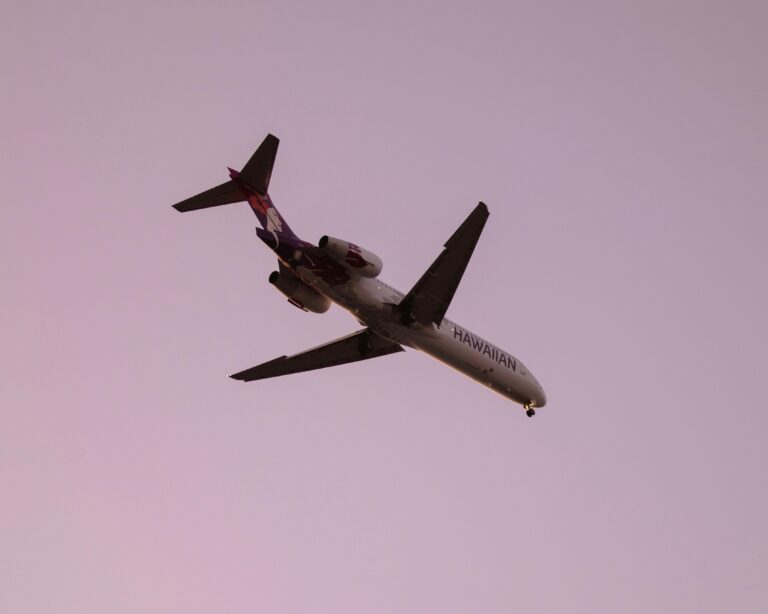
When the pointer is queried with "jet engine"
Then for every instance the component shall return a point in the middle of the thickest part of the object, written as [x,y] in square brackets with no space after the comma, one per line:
[352,257]
[299,294]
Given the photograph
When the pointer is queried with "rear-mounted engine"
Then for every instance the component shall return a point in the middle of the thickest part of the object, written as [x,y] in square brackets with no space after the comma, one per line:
[299,294]
[352,257]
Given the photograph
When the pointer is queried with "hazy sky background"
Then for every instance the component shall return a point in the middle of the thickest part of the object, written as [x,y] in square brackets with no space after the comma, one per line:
[622,148]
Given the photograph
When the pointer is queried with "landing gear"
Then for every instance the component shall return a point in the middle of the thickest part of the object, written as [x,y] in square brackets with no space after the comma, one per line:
[529,411]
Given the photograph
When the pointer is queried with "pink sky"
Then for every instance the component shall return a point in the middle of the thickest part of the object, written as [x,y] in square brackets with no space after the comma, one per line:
[622,150]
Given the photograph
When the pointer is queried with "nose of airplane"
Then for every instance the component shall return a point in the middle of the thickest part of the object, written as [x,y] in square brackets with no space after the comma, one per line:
[536,392]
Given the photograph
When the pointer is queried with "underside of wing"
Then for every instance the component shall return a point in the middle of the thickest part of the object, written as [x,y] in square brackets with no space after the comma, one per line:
[429,299]
[361,345]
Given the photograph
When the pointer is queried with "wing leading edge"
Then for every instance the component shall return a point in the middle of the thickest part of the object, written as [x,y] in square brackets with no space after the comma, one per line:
[429,299]
[361,345]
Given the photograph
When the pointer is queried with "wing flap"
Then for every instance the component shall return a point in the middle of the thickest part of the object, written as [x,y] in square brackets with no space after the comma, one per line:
[429,299]
[361,345]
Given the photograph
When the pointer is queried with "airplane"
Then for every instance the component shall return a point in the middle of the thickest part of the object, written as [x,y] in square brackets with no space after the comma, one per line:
[338,271]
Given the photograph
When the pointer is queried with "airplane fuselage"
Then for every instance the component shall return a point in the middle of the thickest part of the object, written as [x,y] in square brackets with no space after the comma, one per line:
[372,302]
[312,277]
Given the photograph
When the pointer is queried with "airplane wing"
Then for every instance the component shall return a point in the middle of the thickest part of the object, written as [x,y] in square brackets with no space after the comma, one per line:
[429,299]
[361,345]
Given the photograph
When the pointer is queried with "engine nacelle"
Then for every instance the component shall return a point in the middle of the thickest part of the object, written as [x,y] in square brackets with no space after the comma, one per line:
[299,294]
[352,257]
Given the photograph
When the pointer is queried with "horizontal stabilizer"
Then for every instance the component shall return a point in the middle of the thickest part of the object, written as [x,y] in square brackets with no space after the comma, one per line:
[361,345]
[224,194]
[429,299]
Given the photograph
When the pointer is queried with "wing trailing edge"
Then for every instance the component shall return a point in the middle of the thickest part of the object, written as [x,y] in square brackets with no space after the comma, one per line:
[361,345]
[429,299]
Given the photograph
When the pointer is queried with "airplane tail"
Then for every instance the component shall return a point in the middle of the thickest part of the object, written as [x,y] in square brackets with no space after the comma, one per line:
[251,184]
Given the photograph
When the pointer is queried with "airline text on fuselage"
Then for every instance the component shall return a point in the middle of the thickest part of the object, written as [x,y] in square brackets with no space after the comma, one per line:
[483,347]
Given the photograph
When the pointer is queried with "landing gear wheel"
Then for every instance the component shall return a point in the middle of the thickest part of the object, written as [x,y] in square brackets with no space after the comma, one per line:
[529,411]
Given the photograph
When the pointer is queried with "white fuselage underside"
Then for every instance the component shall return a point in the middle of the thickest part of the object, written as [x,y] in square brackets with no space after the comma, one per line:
[372,302]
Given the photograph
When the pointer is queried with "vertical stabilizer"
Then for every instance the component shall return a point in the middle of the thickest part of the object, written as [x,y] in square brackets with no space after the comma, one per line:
[257,172]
